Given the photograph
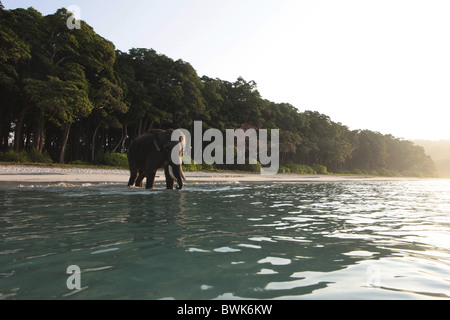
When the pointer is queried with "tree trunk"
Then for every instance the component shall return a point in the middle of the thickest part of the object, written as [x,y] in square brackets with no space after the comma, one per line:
[18,134]
[93,142]
[75,142]
[140,127]
[146,126]
[4,132]
[28,138]
[42,136]
[124,138]
[65,137]
[151,124]
[38,135]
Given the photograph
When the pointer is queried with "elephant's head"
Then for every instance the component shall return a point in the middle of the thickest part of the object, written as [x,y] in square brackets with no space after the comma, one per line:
[172,153]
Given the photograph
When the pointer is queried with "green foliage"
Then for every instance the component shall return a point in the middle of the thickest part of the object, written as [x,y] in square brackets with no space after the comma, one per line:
[284,169]
[319,169]
[303,169]
[300,168]
[32,156]
[118,160]
[190,165]
[208,167]
[254,168]
[388,173]
[12,156]
[61,102]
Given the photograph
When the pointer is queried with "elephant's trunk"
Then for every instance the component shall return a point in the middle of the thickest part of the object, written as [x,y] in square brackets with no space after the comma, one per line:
[171,173]
[177,175]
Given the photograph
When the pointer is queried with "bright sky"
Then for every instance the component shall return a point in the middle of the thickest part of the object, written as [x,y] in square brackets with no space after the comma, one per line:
[382,65]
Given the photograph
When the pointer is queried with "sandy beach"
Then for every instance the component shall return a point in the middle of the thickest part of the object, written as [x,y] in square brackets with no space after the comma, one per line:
[26,175]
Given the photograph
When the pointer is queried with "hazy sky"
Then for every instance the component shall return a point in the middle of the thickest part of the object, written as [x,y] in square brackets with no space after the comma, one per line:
[382,65]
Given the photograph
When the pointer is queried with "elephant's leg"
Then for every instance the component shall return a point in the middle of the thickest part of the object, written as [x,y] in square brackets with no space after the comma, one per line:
[140,178]
[133,175]
[150,179]
[169,180]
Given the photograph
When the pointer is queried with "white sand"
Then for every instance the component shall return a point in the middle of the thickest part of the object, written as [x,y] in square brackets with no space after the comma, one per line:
[19,174]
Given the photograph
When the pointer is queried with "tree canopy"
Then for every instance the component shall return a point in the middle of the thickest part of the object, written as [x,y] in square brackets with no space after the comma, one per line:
[70,94]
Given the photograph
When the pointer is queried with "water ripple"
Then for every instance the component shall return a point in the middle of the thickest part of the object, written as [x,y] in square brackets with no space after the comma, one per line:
[351,240]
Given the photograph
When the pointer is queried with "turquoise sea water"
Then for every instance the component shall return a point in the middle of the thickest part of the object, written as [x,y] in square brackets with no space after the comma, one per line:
[346,240]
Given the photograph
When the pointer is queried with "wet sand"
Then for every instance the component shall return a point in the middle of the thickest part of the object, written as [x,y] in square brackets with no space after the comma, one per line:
[26,175]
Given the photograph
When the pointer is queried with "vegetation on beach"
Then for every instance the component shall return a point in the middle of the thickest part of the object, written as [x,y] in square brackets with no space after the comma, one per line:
[439,151]
[68,96]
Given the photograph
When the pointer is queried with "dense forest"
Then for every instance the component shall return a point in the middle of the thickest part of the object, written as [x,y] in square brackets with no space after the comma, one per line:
[68,94]
[439,151]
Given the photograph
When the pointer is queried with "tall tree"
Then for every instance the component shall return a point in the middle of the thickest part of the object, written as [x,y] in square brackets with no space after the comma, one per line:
[109,99]
[61,101]
[371,152]
[15,50]
[173,86]
[75,63]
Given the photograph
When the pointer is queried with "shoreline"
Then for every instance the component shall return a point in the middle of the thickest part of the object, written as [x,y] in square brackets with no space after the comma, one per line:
[15,175]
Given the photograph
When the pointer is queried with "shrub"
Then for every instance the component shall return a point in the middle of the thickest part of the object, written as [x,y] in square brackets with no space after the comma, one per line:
[320,169]
[38,157]
[191,166]
[357,171]
[12,156]
[388,173]
[33,156]
[284,169]
[206,166]
[119,160]
[247,167]
[307,169]
[414,173]
[300,168]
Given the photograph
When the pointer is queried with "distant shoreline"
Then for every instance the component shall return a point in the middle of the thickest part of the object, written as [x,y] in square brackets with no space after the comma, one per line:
[15,175]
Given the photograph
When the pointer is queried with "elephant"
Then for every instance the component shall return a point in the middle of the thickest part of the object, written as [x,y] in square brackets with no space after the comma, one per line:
[153,151]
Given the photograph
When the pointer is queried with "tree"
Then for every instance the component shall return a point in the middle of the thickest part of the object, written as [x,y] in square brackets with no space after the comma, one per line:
[173,86]
[109,101]
[371,152]
[61,102]
[289,141]
[15,50]
[137,94]
[76,64]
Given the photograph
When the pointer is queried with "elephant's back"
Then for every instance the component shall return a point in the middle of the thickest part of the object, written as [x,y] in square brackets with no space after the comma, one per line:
[138,149]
